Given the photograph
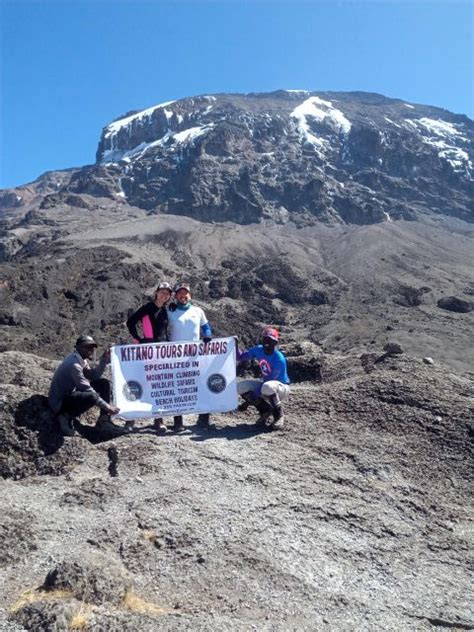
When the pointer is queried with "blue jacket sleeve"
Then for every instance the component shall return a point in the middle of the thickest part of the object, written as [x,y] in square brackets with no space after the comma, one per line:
[243,356]
[206,330]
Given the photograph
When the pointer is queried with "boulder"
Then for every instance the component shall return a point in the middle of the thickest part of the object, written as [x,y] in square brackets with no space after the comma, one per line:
[95,579]
[31,441]
[393,348]
[45,615]
[454,304]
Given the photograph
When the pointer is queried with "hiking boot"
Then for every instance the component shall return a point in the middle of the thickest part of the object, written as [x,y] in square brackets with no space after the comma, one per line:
[103,417]
[278,419]
[66,424]
[160,426]
[263,419]
[129,425]
[105,425]
[178,424]
[265,411]
[203,420]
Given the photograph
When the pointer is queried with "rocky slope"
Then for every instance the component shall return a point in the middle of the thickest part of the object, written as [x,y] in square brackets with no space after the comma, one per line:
[355,517]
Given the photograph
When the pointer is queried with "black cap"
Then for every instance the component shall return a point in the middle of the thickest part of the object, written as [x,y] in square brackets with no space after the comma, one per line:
[86,341]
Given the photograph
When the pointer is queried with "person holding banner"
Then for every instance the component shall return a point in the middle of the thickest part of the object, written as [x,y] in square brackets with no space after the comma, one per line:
[187,322]
[76,387]
[152,317]
[153,320]
[268,393]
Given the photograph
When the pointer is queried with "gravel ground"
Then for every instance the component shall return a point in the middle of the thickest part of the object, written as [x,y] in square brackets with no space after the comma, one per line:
[356,516]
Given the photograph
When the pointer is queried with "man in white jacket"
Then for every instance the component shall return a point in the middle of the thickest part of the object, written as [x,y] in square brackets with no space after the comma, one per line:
[187,322]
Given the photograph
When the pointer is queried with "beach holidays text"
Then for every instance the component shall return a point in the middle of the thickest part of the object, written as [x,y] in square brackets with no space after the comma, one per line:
[174,378]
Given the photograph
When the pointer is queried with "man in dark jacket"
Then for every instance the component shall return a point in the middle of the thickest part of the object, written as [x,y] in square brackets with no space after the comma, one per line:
[76,387]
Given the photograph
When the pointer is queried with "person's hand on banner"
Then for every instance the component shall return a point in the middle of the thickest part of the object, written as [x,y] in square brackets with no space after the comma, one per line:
[113,410]
[106,355]
[207,339]
[172,307]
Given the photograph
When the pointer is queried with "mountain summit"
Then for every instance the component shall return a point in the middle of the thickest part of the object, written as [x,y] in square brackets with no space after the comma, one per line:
[335,157]
[289,155]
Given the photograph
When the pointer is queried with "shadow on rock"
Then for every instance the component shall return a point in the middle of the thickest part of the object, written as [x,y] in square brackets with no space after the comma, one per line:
[35,414]
[230,433]
[96,434]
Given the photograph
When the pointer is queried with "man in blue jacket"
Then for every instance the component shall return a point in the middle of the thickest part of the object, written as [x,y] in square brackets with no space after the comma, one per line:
[268,393]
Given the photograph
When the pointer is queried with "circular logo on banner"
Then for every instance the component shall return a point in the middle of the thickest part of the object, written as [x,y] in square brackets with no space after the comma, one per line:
[132,390]
[216,383]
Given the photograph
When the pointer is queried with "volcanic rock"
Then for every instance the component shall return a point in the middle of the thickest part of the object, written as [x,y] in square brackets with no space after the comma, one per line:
[96,579]
[454,304]
[393,348]
[30,439]
[370,473]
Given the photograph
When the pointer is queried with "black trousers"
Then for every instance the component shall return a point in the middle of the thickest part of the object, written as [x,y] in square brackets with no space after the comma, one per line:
[79,402]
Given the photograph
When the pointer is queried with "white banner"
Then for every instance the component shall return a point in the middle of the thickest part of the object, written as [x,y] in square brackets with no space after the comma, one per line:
[174,378]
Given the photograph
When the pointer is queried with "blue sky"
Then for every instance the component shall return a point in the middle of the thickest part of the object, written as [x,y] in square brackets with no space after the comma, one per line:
[68,68]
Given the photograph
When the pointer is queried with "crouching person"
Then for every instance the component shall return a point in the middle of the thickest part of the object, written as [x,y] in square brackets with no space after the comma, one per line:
[76,387]
[268,393]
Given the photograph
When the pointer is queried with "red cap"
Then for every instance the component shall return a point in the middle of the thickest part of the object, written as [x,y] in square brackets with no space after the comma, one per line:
[270,332]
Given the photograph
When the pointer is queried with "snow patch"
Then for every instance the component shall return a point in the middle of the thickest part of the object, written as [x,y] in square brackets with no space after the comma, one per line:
[111,156]
[392,122]
[439,127]
[442,135]
[189,135]
[387,216]
[321,111]
[457,157]
[407,105]
[114,127]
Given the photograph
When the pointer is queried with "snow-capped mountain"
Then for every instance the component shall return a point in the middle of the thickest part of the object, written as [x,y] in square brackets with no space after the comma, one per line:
[290,155]
[337,157]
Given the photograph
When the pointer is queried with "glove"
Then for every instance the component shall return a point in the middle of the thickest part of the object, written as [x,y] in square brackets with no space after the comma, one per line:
[207,339]
[144,341]
[172,307]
